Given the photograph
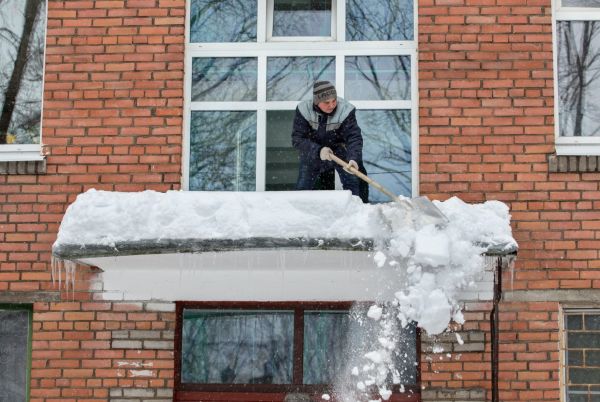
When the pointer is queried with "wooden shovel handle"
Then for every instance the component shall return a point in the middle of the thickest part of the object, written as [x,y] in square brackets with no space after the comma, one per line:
[364,177]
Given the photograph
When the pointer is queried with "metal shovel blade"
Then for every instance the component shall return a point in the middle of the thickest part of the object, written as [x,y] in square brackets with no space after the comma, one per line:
[429,212]
[426,211]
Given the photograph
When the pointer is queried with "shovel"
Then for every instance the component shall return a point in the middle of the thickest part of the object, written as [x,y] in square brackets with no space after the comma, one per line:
[426,211]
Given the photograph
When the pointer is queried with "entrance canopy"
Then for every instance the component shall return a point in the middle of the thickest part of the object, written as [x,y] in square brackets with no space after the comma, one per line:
[301,245]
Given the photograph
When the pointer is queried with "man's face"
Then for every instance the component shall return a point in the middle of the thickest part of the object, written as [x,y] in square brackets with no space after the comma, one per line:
[328,105]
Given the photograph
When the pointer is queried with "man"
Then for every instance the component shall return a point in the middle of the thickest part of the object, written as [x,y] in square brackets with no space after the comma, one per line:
[324,125]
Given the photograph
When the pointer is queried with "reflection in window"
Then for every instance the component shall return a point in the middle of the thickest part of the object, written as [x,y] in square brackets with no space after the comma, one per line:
[292,78]
[579,78]
[581,3]
[387,150]
[302,18]
[377,77]
[582,340]
[335,342]
[379,20]
[223,151]
[223,21]
[224,79]
[282,158]
[237,347]
[14,354]
[22,37]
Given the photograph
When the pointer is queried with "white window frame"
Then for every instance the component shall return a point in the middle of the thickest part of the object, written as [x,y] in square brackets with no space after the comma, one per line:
[570,145]
[262,49]
[29,152]
[271,38]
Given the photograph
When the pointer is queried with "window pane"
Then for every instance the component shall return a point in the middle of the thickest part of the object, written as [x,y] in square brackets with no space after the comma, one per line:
[282,158]
[223,151]
[223,21]
[21,78]
[377,78]
[387,150]
[292,78]
[579,78]
[302,18]
[325,346]
[237,347]
[14,355]
[224,79]
[335,342]
[379,20]
[581,3]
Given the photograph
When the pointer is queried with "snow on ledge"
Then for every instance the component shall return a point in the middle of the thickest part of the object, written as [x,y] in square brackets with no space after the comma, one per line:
[209,221]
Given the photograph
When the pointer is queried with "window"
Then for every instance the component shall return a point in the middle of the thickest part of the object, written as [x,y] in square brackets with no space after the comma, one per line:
[249,63]
[582,355]
[278,348]
[22,40]
[577,76]
[15,352]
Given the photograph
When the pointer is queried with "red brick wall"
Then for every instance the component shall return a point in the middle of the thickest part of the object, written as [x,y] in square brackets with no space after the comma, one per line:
[486,130]
[112,119]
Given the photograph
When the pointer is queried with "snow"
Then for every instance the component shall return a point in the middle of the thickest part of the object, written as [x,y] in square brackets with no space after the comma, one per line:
[435,263]
[106,218]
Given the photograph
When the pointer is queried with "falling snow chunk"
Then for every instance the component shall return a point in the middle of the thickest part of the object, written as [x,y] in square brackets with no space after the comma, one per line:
[385,394]
[432,248]
[375,356]
[375,312]
[459,338]
[380,259]
[325,397]
[437,349]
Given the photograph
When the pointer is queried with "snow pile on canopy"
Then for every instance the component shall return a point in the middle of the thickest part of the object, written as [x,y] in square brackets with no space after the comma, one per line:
[107,218]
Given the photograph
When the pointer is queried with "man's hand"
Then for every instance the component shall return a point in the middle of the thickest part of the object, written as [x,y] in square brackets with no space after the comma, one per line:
[324,154]
[351,164]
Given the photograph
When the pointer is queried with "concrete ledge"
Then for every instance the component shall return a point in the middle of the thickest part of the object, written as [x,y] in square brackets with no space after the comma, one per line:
[23,167]
[28,297]
[573,163]
[561,295]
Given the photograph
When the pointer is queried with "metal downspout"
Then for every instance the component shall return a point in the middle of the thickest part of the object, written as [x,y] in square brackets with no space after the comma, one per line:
[494,328]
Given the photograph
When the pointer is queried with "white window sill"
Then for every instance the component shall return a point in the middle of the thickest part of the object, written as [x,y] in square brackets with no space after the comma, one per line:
[578,146]
[21,153]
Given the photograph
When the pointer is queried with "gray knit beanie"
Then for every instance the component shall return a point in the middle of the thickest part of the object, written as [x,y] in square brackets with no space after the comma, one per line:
[323,91]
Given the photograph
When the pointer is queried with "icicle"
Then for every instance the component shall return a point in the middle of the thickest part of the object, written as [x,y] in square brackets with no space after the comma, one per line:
[70,277]
[54,264]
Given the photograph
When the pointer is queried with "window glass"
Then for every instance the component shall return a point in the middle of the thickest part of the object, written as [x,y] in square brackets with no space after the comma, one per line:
[22,26]
[302,18]
[377,78]
[223,151]
[579,78]
[325,346]
[581,3]
[336,341]
[224,79]
[223,21]
[282,158]
[379,20]
[292,78]
[237,347]
[387,150]
[14,354]
[583,355]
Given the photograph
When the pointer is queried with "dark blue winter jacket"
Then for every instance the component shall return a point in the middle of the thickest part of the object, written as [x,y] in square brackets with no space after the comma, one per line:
[339,130]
